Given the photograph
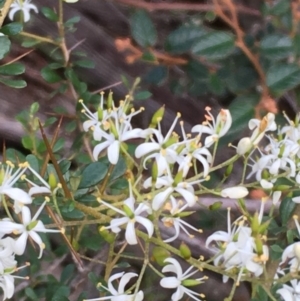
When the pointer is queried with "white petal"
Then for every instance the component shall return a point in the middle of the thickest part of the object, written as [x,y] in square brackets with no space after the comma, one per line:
[18,194]
[130,235]
[169,282]
[202,129]
[113,152]
[146,148]
[236,192]
[187,195]
[99,148]
[124,280]
[20,243]
[160,198]
[39,190]
[146,223]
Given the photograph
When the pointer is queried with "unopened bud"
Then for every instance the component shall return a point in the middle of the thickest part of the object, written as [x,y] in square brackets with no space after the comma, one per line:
[159,255]
[106,235]
[229,170]
[185,251]
[215,206]
[110,100]
[157,116]
[244,146]
[52,181]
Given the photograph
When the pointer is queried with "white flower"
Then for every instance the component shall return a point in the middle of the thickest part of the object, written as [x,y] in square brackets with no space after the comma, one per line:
[237,248]
[178,282]
[162,148]
[29,227]
[23,5]
[120,294]
[120,131]
[236,192]
[260,127]
[7,179]
[292,253]
[7,285]
[275,194]
[175,220]
[218,128]
[185,189]
[290,293]
[96,120]
[130,217]
[7,257]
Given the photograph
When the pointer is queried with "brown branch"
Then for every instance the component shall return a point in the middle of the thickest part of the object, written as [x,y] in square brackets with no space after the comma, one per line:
[184,6]
[231,18]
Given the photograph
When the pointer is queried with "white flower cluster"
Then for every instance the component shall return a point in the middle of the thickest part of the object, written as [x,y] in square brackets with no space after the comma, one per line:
[23,227]
[112,127]
[178,282]
[242,249]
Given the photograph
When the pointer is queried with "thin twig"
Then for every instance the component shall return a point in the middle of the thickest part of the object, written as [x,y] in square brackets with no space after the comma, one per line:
[184,6]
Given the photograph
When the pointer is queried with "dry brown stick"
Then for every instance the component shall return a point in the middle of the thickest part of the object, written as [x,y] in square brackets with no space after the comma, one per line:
[184,6]
[266,101]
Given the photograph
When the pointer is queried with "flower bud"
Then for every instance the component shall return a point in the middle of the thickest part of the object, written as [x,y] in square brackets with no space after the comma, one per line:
[190,282]
[236,192]
[52,181]
[185,251]
[215,206]
[157,116]
[255,224]
[110,100]
[244,146]
[106,235]
[229,170]
[159,255]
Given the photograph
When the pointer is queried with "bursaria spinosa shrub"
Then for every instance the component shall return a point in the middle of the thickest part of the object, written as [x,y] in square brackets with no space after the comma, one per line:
[128,203]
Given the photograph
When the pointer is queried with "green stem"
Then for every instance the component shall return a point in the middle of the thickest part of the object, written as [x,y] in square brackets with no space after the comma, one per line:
[39,38]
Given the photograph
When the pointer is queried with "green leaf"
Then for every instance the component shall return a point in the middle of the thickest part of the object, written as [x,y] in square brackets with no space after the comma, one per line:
[142,95]
[142,29]
[182,39]
[276,46]
[72,21]
[33,162]
[67,273]
[157,75]
[283,77]
[93,174]
[4,46]
[50,14]
[85,64]
[280,7]
[50,75]
[58,145]
[286,209]
[118,170]
[13,83]
[11,29]
[64,165]
[29,292]
[12,69]
[215,45]
[196,70]
[27,142]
